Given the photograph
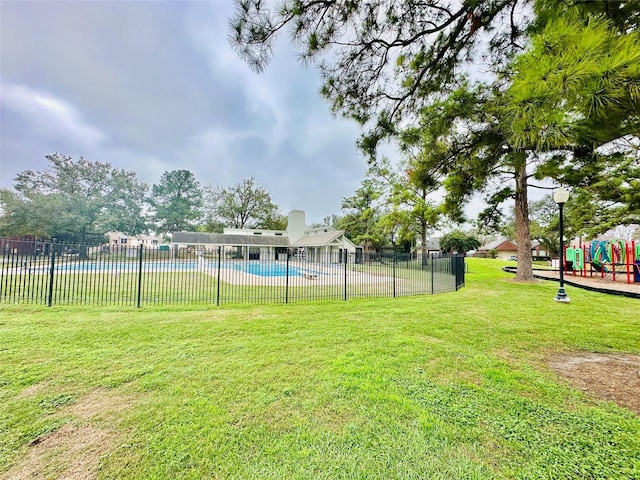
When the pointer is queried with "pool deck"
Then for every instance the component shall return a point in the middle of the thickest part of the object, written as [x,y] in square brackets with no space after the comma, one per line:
[313,274]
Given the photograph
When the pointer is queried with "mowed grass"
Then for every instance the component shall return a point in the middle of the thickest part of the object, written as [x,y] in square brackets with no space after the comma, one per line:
[454,385]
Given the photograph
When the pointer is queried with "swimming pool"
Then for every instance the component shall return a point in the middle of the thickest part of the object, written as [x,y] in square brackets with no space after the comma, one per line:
[268,269]
[262,269]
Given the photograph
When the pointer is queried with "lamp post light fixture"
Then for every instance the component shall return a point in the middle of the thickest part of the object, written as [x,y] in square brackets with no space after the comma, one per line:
[560,197]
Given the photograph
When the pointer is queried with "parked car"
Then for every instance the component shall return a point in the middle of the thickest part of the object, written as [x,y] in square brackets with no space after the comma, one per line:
[514,258]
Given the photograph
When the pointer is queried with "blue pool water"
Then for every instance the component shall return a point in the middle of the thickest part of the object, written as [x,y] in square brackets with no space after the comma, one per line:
[267,269]
[263,269]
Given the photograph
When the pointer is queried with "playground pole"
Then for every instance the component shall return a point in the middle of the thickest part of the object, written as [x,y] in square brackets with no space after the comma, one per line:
[560,197]
[627,261]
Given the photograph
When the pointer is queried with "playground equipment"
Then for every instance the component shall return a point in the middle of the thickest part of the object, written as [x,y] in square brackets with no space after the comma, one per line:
[604,257]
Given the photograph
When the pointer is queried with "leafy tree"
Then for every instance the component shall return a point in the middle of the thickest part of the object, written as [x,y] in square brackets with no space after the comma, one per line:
[74,200]
[397,226]
[458,241]
[544,223]
[211,226]
[383,61]
[413,193]
[361,222]
[275,221]
[28,218]
[576,95]
[542,122]
[410,189]
[245,205]
[176,201]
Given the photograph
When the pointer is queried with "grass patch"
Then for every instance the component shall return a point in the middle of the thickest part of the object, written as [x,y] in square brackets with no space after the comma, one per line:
[447,386]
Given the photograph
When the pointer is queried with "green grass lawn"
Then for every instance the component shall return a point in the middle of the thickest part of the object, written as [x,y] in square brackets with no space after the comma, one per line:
[438,386]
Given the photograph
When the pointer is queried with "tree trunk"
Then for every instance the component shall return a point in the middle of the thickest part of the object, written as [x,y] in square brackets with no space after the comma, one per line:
[523,237]
[423,239]
[82,242]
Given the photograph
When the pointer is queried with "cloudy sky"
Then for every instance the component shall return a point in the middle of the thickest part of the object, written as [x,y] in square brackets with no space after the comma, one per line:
[155,86]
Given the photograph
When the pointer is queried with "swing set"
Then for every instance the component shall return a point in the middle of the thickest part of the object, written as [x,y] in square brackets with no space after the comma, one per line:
[604,257]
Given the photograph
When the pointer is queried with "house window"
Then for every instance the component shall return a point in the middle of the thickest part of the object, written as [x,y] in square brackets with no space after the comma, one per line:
[154,242]
[123,240]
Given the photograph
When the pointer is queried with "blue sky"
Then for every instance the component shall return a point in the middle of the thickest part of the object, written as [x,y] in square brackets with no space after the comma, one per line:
[155,86]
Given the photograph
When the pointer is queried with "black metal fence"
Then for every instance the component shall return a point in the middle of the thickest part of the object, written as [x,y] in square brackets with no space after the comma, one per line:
[55,274]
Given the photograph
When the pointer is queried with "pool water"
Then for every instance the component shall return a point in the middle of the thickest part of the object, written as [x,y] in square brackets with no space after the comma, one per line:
[265,269]
[262,269]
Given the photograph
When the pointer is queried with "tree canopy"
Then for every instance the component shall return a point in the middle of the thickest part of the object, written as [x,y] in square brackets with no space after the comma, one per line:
[244,205]
[566,112]
[361,221]
[74,200]
[176,202]
[458,241]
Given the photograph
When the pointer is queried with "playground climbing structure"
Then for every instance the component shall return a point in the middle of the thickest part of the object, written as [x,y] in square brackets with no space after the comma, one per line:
[614,259]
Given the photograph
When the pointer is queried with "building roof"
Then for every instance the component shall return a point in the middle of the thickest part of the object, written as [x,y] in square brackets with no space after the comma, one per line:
[200,238]
[500,244]
[318,240]
[433,243]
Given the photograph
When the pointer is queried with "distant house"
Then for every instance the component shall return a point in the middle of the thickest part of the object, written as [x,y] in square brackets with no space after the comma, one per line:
[538,251]
[314,244]
[505,248]
[119,241]
[432,246]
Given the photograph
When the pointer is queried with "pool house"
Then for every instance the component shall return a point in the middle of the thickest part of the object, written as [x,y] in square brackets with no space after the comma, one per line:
[320,244]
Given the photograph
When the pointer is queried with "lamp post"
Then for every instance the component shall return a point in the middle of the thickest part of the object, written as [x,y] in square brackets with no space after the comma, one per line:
[560,197]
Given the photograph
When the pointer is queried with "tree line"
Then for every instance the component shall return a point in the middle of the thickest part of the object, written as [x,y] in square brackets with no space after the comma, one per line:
[80,201]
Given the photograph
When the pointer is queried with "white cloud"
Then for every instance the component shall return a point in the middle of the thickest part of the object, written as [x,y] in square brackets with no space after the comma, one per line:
[50,116]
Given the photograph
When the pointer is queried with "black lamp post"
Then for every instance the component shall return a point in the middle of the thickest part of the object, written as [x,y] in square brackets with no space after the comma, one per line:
[560,197]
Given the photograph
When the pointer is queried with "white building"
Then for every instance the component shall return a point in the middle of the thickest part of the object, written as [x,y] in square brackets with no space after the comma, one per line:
[321,244]
[119,241]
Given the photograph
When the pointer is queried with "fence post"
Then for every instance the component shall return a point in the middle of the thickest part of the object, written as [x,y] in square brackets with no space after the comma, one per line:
[219,265]
[433,279]
[394,274]
[139,275]
[51,270]
[286,285]
[346,260]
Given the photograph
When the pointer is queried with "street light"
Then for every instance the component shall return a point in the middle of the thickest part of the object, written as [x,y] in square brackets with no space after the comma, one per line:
[560,197]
